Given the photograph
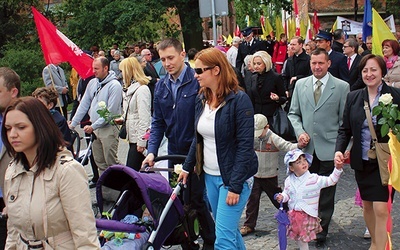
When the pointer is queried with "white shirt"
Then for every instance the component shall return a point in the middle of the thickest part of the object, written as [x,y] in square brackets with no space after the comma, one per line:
[324,81]
[231,54]
[205,127]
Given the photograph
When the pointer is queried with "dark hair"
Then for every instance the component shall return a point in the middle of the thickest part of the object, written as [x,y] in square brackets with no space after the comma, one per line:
[227,80]
[378,59]
[282,35]
[393,44]
[192,53]
[11,79]
[48,136]
[320,51]
[337,34]
[170,42]
[49,94]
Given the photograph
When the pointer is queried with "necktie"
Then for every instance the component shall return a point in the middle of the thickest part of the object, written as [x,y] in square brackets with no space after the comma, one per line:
[317,91]
[348,62]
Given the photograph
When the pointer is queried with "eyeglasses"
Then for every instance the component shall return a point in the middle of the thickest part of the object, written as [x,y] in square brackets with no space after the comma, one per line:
[200,71]
[147,54]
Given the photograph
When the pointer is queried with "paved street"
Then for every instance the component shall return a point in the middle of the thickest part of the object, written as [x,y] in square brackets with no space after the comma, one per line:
[346,229]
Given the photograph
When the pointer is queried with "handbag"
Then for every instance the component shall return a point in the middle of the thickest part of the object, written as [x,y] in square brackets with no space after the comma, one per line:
[379,150]
[282,126]
[122,131]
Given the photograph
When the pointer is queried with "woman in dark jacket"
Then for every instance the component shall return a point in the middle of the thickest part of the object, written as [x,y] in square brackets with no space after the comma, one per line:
[373,194]
[267,89]
[223,146]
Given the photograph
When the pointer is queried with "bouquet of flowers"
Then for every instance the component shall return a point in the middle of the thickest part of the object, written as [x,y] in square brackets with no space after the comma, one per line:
[390,114]
[106,114]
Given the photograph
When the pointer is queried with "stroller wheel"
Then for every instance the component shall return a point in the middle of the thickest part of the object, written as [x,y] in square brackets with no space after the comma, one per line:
[148,246]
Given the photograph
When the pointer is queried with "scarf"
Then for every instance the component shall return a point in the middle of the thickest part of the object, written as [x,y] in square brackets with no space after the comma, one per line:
[390,61]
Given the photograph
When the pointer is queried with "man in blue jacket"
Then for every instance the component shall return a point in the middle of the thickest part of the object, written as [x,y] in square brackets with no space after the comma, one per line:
[173,115]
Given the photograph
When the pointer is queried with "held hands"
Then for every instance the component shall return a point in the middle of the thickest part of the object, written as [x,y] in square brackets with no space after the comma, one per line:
[339,160]
[279,197]
[119,121]
[304,139]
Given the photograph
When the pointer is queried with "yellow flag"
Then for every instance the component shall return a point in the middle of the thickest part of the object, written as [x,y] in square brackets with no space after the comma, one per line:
[229,40]
[304,26]
[268,27]
[264,33]
[292,27]
[394,146]
[279,27]
[380,32]
[334,26]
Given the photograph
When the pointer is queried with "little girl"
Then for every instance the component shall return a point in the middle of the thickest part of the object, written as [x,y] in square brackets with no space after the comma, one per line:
[302,190]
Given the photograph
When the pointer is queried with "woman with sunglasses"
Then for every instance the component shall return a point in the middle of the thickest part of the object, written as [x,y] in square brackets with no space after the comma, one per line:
[267,89]
[45,189]
[223,146]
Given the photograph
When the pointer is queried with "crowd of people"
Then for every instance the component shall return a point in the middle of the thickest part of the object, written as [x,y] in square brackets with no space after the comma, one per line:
[216,108]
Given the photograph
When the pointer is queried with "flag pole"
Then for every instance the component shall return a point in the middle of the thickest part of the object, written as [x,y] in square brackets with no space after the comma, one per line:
[54,87]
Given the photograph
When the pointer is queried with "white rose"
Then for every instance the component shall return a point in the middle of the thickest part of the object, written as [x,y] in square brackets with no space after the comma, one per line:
[102,104]
[386,99]
[178,168]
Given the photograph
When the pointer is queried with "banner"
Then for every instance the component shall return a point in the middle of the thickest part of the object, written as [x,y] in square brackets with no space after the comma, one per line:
[57,48]
[367,21]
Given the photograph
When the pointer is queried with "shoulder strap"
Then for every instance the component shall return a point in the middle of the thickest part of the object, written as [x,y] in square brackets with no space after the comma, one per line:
[369,119]
[127,109]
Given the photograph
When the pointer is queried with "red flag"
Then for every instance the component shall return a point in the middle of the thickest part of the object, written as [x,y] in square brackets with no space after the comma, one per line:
[58,48]
[296,12]
[316,24]
[237,32]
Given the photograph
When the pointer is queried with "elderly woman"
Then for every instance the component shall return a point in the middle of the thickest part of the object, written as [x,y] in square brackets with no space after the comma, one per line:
[267,89]
[373,194]
[390,49]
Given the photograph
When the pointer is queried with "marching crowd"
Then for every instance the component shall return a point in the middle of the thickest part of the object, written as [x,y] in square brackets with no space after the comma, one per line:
[229,113]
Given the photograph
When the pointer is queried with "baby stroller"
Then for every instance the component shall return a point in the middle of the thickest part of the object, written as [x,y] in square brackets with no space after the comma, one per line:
[81,156]
[170,223]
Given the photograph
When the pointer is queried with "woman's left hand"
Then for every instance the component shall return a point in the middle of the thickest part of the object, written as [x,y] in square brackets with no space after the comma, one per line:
[232,198]
[274,97]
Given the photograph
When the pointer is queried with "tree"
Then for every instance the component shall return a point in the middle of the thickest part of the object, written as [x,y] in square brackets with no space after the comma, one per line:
[253,8]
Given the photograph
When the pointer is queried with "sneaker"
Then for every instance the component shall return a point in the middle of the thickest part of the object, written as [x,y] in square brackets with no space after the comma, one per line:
[245,230]
[367,235]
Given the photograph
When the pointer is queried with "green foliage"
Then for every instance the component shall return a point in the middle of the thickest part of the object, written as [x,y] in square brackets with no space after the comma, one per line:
[253,8]
[28,63]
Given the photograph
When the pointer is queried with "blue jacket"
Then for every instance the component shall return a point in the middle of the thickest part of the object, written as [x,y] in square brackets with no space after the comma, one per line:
[234,138]
[175,119]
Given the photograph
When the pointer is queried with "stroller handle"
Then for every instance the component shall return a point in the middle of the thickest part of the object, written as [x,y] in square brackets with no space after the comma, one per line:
[171,157]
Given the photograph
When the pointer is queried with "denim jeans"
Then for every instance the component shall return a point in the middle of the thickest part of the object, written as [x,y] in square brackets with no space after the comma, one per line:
[226,217]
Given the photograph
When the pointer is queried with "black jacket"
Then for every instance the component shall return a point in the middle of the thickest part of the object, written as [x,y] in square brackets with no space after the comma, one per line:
[353,118]
[338,66]
[261,88]
[298,66]
[355,78]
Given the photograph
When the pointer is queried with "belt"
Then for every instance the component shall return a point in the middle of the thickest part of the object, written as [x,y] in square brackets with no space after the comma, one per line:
[32,244]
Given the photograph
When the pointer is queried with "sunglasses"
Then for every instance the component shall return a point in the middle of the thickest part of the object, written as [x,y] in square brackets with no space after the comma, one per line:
[200,71]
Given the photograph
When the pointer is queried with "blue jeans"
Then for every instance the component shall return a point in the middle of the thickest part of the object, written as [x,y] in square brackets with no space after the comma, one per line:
[226,217]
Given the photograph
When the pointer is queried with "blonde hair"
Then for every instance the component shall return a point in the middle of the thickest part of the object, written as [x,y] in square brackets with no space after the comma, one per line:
[132,70]
[265,57]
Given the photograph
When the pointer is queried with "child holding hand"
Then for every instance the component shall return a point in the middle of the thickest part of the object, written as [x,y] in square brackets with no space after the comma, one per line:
[301,191]
[267,145]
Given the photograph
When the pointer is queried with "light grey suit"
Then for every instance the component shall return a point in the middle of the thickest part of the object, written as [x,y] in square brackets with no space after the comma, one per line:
[59,80]
[321,122]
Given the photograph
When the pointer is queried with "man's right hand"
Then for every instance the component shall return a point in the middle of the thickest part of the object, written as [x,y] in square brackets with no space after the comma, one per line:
[148,160]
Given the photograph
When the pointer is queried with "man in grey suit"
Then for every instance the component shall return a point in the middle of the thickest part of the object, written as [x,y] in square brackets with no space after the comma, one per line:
[10,88]
[316,113]
[54,76]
